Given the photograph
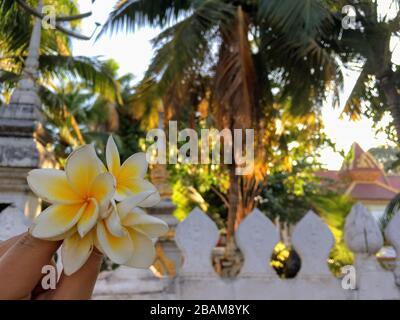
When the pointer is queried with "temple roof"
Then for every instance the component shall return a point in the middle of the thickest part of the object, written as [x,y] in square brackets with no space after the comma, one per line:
[371,191]
[358,159]
[363,178]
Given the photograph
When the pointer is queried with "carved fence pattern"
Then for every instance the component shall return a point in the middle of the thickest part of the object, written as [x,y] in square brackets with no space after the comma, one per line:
[256,237]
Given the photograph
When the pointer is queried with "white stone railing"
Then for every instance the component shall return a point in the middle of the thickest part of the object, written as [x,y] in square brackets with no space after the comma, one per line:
[256,237]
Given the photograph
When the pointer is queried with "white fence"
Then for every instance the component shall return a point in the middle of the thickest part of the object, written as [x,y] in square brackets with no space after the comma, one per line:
[256,237]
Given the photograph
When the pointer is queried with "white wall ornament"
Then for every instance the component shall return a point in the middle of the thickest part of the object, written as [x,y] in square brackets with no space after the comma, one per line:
[313,241]
[362,233]
[196,237]
[257,237]
[364,237]
[392,234]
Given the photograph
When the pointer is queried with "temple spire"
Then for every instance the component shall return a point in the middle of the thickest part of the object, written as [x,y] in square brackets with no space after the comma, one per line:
[23,139]
[26,91]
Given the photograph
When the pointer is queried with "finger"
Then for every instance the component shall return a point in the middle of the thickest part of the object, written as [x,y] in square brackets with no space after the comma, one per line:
[39,290]
[5,245]
[79,285]
[21,266]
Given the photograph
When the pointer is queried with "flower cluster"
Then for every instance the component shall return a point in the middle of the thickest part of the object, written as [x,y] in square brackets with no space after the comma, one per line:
[95,207]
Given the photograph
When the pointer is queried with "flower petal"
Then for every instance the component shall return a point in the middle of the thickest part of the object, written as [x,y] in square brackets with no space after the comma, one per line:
[128,188]
[145,223]
[89,217]
[75,251]
[112,156]
[103,188]
[128,204]
[151,201]
[118,249]
[56,220]
[144,252]
[82,167]
[96,242]
[62,236]
[106,211]
[113,223]
[134,167]
[52,186]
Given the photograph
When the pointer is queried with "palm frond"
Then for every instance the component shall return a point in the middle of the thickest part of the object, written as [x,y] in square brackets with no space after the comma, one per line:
[8,79]
[130,14]
[182,55]
[236,76]
[92,71]
[305,32]
[306,71]
[183,48]
[305,16]
[15,28]
[391,209]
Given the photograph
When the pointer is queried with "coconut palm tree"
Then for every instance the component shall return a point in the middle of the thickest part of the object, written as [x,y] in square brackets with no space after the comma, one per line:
[367,45]
[56,60]
[77,114]
[244,48]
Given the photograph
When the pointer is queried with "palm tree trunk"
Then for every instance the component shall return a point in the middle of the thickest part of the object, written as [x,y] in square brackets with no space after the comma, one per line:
[235,84]
[393,99]
[233,204]
[75,127]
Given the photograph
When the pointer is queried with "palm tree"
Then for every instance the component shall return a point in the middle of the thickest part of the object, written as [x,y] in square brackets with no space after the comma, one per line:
[243,48]
[77,114]
[367,46]
[56,60]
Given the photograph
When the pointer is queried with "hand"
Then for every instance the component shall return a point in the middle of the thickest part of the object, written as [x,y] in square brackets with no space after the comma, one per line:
[21,261]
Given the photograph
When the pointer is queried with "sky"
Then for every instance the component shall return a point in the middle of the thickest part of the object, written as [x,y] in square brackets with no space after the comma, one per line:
[133,52]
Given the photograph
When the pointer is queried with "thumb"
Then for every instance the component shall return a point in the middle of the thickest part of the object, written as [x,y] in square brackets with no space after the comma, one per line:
[21,266]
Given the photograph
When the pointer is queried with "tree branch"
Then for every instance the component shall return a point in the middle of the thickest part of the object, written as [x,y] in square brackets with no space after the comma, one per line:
[71,33]
[38,14]
[221,196]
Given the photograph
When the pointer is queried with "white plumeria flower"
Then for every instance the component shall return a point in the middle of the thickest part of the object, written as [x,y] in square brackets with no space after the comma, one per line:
[129,176]
[83,212]
[78,195]
[76,250]
[126,235]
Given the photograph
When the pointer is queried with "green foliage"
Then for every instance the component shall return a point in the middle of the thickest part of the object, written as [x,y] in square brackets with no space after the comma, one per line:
[129,134]
[267,65]
[289,196]
[187,44]
[389,157]
[297,40]
[279,259]
[94,73]
[290,53]
[333,209]
[200,186]
[367,49]
[391,209]
[78,113]
[55,62]
[349,157]
[293,46]
[128,15]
